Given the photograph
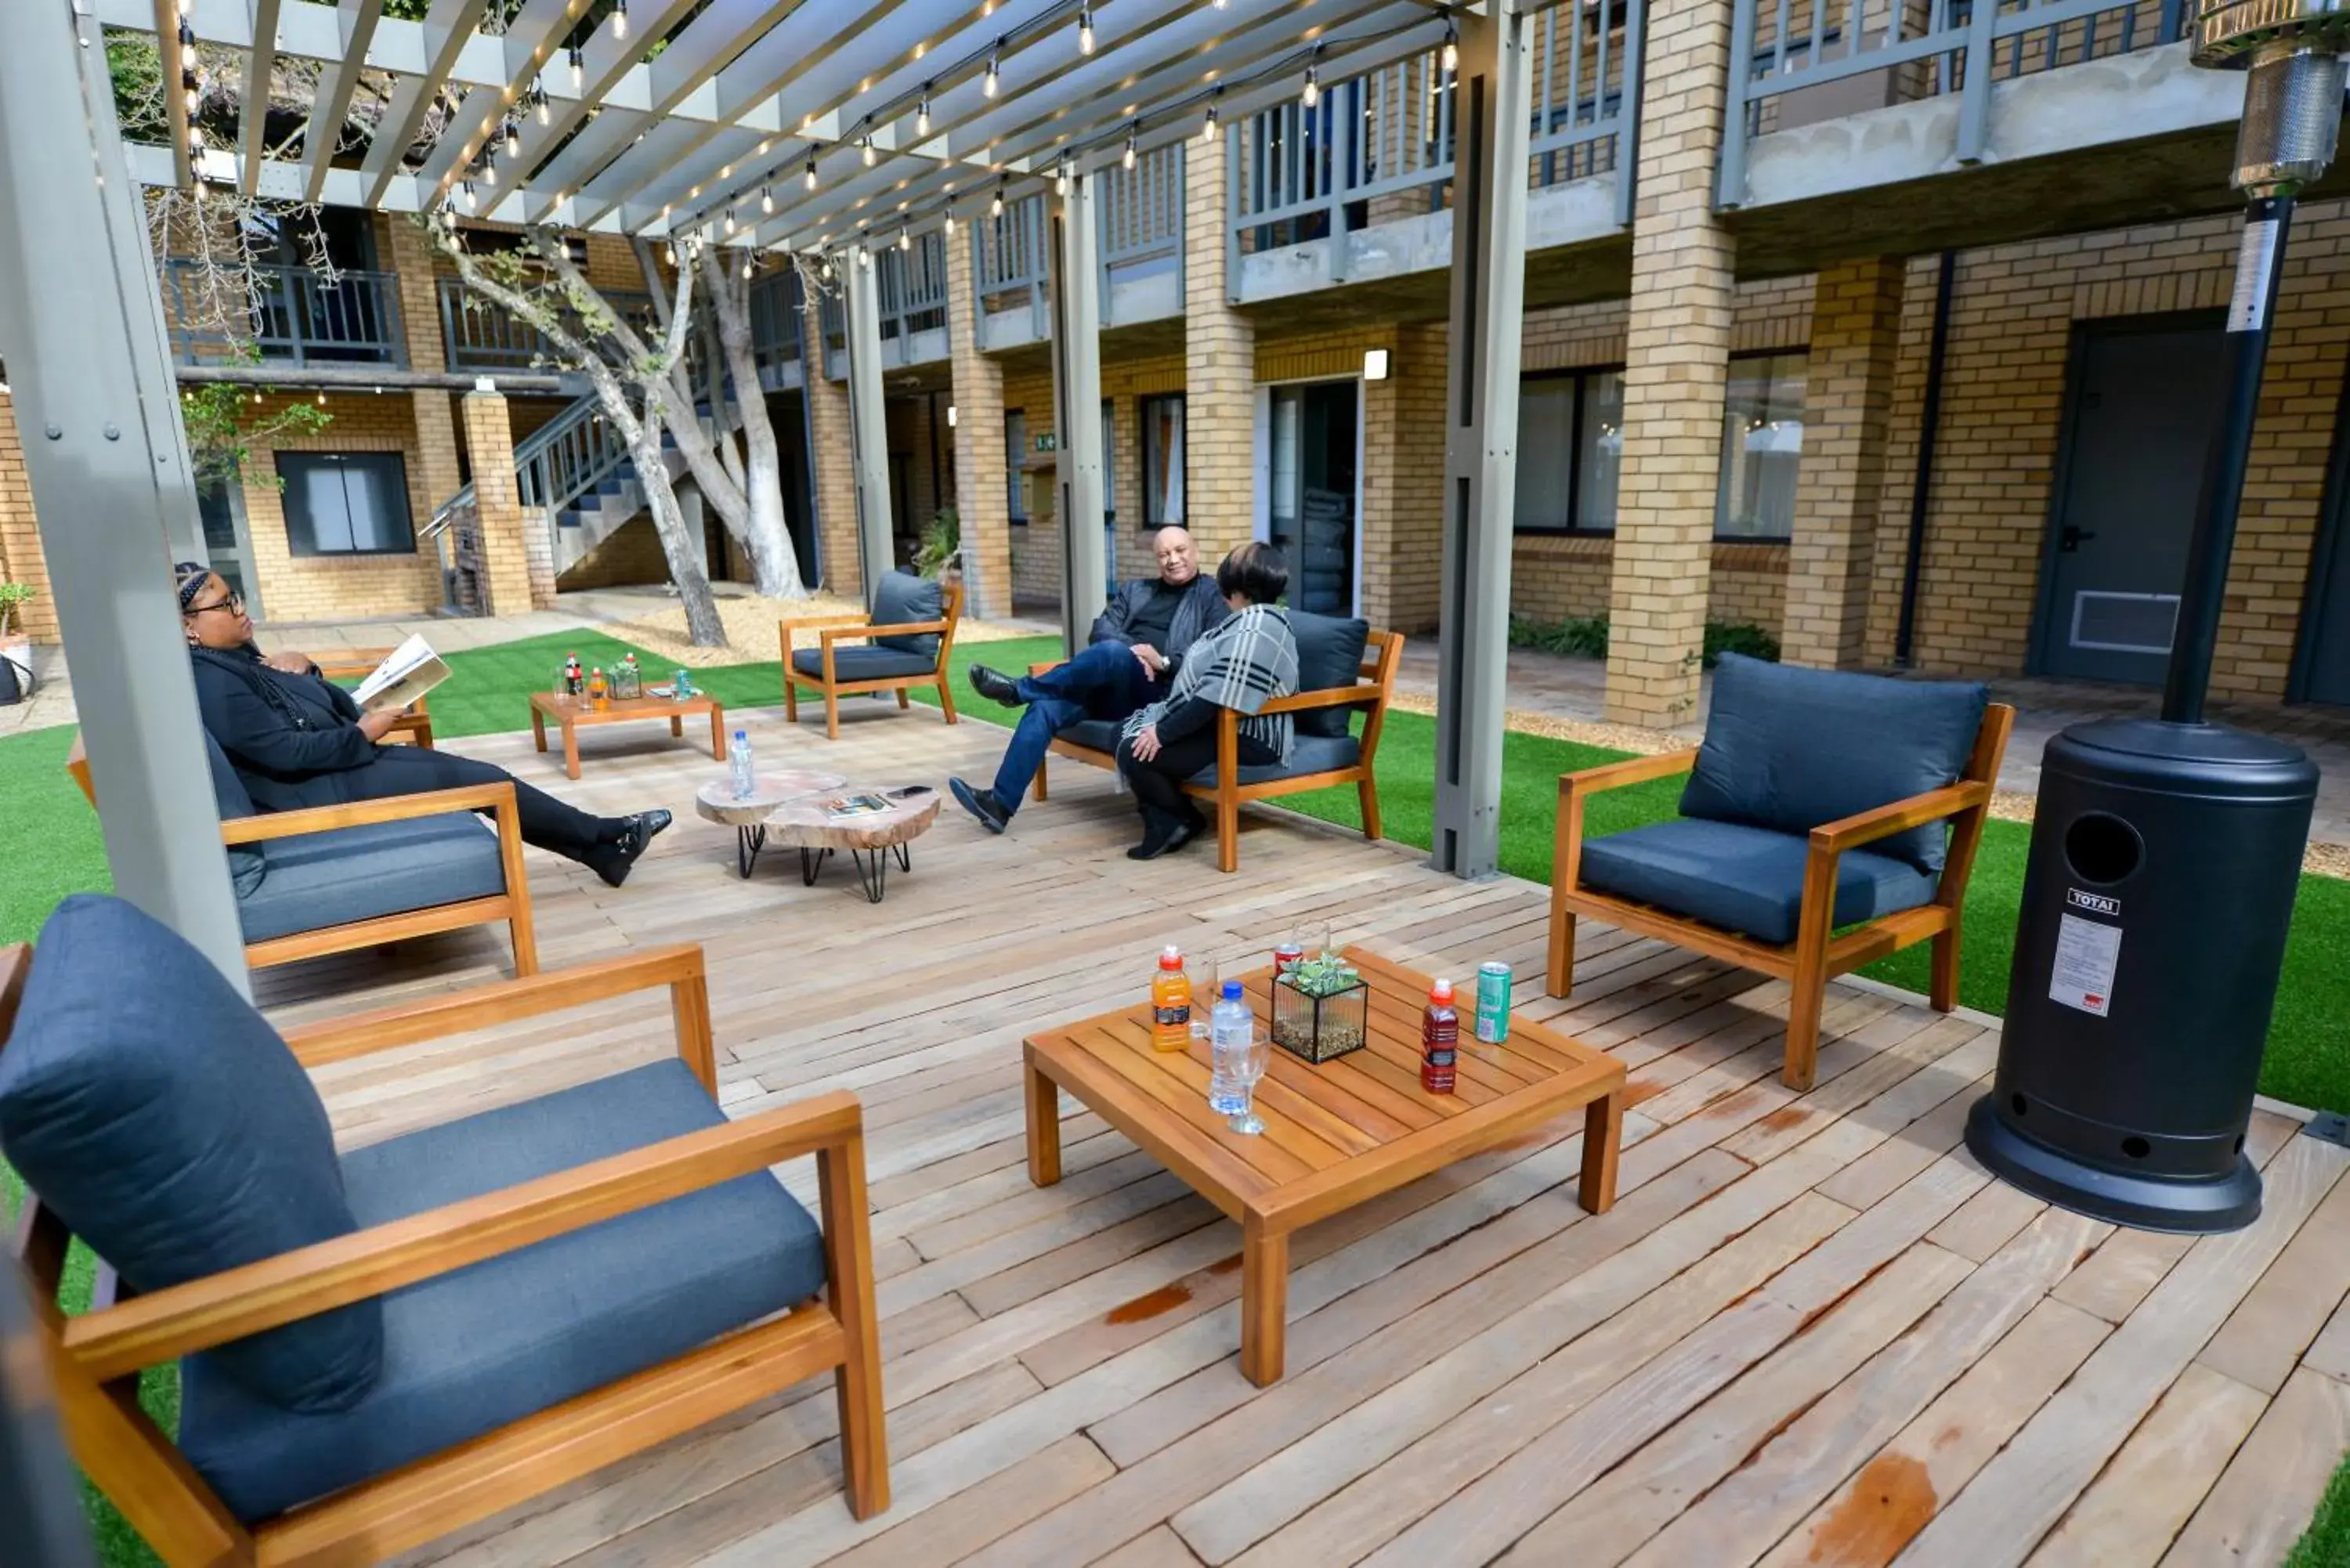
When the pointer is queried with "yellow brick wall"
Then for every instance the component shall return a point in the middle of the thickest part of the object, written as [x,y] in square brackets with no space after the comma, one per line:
[629,555]
[20,538]
[337,588]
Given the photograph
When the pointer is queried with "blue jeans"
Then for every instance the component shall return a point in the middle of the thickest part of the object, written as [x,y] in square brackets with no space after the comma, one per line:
[1105,682]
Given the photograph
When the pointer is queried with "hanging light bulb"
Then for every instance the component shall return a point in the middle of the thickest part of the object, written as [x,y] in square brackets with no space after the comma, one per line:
[767,200]
[1451,58]
[1208,126]
[670,250]
[950,220]
[811,169]
[905,240]
[1313,93]
[538,103]
[730,220]
[192,86]
[995,207]
[472,201]
[747,268]
[578,63]
[922,113]
[514,140]
[1127,159]
[489,168]
[865,144]
[1084,29]
[322,399]
[990,83]
[196,145]
[1060,177]
[620,20]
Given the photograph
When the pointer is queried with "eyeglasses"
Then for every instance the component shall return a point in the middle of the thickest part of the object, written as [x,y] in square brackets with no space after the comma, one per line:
[234,603]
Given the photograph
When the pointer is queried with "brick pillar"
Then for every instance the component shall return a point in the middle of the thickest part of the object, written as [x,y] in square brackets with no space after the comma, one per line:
[1847,404]
[833,460]
[506,551]
[1402,534]
[1677,349]
[1219,364]
[21,560]
[983,484]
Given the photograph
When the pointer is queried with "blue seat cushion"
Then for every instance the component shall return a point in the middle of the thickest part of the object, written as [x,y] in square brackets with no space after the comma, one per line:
[321,880]
[1307,754]
[864,661]
[173,1132]
[901,598]
[1793,748]
[246,866]
[1097,734]
[1329,655]
[1743,878]
[468,1352]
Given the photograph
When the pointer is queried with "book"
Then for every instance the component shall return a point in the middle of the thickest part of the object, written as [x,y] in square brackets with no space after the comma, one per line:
[849,807]
[412,670]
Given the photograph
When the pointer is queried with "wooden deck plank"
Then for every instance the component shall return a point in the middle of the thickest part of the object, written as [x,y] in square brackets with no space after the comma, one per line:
[2265,1497]
[2130,1513]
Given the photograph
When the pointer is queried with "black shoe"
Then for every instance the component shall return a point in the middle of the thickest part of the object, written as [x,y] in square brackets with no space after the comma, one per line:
[614,860]
[1160,836]
[997,686]
[982,803]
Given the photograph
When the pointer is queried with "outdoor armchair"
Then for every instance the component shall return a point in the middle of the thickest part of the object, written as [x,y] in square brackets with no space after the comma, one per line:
[904,641]
[382,1346]
[1831,819]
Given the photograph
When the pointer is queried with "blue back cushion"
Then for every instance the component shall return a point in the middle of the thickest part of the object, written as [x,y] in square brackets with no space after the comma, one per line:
[245,865]
[171,1129]
[1329,654]
[904,599]
[1793,748]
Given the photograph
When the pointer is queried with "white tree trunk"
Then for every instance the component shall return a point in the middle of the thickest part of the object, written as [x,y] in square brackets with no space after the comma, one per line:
[704,628]
[767,531]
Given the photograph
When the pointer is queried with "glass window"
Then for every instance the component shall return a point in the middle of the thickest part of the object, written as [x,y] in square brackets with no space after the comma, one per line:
[346,504]
[1162,460]
[1762,446]
[1570,432]
[1016,463]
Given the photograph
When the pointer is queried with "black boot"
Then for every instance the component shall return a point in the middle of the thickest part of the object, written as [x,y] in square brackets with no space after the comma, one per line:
[995,685]
[1160,833]
[614,858]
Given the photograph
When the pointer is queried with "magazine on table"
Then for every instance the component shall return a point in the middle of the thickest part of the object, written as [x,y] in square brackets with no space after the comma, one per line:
[849,807]
[412,671]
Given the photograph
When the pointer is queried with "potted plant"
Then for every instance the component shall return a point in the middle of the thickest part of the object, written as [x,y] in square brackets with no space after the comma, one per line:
[15,645]
[1320,1008]
[941,554]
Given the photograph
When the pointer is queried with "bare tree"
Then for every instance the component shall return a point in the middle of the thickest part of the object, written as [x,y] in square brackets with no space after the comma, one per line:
[635,382]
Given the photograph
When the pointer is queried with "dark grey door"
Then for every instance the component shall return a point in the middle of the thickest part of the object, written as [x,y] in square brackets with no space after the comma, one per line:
[2144,408]
[2322,669]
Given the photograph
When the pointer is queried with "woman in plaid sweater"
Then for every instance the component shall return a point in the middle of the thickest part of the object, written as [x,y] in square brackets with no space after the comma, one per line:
[1243,664]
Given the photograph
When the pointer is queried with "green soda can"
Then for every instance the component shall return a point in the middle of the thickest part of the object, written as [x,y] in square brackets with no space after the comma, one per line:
[1492,1002]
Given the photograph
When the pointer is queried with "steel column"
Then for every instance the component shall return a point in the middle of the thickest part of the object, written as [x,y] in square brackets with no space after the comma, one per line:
[81,331]
[877,544]
[1077,409]
[1495,102]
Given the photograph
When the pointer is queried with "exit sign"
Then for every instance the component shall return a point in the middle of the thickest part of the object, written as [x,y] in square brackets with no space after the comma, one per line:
[1048,442]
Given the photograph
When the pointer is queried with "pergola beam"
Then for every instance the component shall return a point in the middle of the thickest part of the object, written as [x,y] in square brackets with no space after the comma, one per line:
[355,20]
[260,65]
[447,27]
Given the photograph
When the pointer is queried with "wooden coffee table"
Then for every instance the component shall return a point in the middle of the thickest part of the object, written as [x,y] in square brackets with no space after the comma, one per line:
[1336,1136]
[870,841]
[748,815]
[571,713]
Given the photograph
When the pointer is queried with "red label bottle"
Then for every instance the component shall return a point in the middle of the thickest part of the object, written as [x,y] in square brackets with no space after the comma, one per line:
[1439,1040]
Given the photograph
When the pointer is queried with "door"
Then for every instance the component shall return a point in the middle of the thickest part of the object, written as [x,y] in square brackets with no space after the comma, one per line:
[1311,493]
[2321,668]
[2145,406]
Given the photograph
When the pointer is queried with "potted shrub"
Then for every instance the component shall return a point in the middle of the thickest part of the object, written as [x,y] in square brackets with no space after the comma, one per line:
[941,554]
[15,645]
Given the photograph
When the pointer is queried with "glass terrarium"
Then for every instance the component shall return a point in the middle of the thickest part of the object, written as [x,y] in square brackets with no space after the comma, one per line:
[626,681]
[1320,1009]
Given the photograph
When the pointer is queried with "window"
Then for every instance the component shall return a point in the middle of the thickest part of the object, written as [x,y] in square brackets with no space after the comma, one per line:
[346,504]
[1570,438]
[1016,463]
[1162,460]
[1762,446]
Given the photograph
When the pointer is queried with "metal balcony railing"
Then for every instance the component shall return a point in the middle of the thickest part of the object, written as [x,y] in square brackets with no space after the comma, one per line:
[1142,214]
[1810,60]
[777,307]
[1379,147]
[302,316]
[1008,254]
[477,336]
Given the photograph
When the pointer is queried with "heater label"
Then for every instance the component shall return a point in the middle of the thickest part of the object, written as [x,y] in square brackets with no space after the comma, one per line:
[2256,257]
[2086,956]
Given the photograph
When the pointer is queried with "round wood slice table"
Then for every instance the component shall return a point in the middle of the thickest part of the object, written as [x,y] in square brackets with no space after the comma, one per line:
[748,815]
[870,840]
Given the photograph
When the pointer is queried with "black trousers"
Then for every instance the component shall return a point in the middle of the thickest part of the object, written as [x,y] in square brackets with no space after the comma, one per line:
[546,823]
[1158,783]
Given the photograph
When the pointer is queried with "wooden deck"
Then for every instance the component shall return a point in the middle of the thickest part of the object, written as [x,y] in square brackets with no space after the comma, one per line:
[1812,1330]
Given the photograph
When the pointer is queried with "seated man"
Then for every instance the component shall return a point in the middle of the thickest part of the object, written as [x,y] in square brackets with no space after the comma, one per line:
[1137,644]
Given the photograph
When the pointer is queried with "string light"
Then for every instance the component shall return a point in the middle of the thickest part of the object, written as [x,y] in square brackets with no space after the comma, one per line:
[768,199]
[747,268]
[620,20]
[578,63]
[192,86]
[951,220]
[489,168]
[905,239]
[1127,159]
[472,201]
[1208,126]
[922,113]
[1451,58]
[866,144]
[1084,29]
[514,140]
[1060,178]
[195,149]
[730,220]
[811,169]
[538,100]
[995,206]
[990,83]
[1313,93]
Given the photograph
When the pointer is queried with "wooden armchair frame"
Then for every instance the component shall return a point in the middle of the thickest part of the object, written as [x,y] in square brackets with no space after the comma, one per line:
[1373,690]
[513,905]
[1817,954]
[859,628]
[414,721]
[94,1360]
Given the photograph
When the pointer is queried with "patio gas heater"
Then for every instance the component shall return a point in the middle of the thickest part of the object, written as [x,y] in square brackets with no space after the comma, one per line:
[2166,852]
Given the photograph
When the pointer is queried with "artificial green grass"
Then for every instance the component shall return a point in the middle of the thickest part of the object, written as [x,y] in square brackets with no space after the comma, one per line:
[2326,1542]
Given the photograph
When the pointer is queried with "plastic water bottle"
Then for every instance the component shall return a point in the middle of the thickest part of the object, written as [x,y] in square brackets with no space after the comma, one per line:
[1229,1028]
[738,763]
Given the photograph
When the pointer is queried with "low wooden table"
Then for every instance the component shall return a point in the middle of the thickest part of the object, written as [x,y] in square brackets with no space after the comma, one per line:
[571,713]
[1335,1136]
[748,814]
[870,841]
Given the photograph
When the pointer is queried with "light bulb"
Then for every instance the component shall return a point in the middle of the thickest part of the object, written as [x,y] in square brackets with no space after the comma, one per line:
[538,101]
[578,63]
[322,399]
[871,157]
[905,240]
[672,252]
[620,20]
[811,171]
[195,144]
[1127,159]
[730,220]
[746,269]
[989,83]
[1451,58]
[1061,176]
[995,206]
[1313,93]
[514,140]
[1084,29]
[949,223]
[489,171]
[470,201]
[865,256]
[1221,3]
[768,199]
[922,113]
[1208,126]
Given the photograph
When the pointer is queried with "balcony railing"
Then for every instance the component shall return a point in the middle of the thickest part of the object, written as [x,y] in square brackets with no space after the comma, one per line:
[1142,213]
[1379,147]
[910,293]
[777,307]
[477,336]
[301,316]
[1810,60]
[1008,254]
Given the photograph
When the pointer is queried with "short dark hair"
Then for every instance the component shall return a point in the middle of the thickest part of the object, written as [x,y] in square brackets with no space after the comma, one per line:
[1256,571]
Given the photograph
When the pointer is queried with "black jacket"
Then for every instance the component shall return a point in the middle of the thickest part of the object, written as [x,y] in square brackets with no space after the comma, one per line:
[1202,610]
[287,735]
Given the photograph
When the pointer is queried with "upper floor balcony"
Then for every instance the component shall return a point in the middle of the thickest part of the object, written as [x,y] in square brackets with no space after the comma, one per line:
[293,314]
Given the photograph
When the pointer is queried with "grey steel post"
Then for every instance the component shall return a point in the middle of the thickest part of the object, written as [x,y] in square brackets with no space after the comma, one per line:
[877,546]
[1974,97]
[1077,411]
[1730,178]
[1494,103]
[1627,114]
[80,331]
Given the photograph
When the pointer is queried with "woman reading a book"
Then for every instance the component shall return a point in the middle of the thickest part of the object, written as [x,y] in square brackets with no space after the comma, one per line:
[298,740]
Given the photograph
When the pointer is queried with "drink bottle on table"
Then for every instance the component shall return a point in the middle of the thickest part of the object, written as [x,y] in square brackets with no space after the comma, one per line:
[1171,1003]
[1439,1040]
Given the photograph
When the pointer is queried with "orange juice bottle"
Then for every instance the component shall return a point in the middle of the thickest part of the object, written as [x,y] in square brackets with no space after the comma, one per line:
[598,690]
[1171,1003]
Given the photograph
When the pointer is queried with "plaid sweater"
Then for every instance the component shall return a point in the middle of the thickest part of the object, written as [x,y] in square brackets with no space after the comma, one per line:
[1241,665]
